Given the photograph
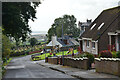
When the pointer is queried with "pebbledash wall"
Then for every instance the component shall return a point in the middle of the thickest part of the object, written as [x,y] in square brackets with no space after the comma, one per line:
[81,63]
[53,60]
[108,65]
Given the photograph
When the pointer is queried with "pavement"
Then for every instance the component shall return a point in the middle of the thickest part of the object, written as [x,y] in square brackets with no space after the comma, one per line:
[79,73]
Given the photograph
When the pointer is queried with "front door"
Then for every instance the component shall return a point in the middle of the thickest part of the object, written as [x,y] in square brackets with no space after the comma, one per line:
[119,42]
[112,46]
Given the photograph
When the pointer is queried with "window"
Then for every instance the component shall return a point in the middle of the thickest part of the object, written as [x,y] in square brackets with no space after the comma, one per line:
[87,43]
[93,26]
[82,28]
[100,26]
[93,44]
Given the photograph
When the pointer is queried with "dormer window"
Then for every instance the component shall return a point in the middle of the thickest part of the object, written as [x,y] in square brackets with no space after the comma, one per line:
[93,26]
[100,26]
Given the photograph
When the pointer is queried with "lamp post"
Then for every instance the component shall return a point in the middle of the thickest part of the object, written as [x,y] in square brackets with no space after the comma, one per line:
[63,50]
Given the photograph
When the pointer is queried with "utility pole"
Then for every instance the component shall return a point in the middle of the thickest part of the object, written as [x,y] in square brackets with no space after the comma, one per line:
[63,50]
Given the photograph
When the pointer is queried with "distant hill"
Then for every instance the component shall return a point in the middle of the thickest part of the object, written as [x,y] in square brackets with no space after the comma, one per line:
[39,35]
[38,32]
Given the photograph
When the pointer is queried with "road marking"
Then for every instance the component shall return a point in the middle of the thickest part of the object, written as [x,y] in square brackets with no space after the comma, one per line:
[15,67]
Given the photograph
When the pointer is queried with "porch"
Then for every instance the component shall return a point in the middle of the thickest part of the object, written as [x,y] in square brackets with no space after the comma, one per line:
[114,41]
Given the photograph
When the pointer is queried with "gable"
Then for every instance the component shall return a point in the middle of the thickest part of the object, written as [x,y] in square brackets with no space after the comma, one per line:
[108,19]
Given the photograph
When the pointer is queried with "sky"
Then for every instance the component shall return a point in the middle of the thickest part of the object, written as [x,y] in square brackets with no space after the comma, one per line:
[49,10]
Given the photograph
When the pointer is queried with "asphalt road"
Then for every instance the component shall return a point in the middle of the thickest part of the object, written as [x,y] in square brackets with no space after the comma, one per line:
[22,67]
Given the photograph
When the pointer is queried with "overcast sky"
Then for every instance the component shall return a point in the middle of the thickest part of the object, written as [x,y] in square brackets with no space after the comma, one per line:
[49,10]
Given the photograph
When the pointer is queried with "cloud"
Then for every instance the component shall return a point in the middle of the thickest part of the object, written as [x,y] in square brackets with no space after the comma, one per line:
[81,9]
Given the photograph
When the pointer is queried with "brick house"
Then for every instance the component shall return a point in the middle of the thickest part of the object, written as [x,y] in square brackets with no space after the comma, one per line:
[103,33]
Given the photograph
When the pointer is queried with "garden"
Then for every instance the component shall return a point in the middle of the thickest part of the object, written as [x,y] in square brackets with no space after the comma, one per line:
[22,51]
[43,56]
[105,62]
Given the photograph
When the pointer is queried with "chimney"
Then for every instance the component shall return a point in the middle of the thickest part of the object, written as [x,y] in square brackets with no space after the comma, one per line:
[89,21]
[54,40]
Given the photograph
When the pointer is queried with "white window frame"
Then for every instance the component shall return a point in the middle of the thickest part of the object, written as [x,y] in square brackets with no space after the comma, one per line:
[93,26]
[94,45]
[100,26]
[88,43]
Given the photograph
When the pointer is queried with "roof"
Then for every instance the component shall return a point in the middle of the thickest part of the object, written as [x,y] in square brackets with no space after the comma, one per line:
[55,43]
[61,42]
[70,41]
[108,20]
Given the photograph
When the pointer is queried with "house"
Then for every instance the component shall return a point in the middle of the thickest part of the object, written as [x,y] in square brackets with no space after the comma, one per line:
[103,33]
[62,42]
[83,25]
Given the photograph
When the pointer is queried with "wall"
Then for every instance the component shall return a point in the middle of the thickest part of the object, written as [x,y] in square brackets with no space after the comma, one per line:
[76,63]
[108,66]
[53,60]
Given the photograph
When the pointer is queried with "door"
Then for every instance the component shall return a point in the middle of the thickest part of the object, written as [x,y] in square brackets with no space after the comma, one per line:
[119,42]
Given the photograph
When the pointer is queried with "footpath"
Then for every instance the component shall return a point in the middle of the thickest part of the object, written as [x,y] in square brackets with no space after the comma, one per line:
[79,73]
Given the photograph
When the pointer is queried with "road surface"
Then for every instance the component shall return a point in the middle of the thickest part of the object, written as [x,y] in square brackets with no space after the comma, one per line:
[23,67]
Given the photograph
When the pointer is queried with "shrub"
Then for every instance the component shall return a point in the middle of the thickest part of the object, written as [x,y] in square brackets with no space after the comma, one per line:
[114,54]
[49,55]
[86,54]
[96,56]
[90,57]
[105,54]
[118,54]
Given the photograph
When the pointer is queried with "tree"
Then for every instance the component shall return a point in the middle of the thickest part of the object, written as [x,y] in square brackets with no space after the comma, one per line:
[33,41]
[16,16]
[6,47]
[69,26]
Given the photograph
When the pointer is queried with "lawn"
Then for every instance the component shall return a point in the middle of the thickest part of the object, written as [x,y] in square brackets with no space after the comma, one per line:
[58,54]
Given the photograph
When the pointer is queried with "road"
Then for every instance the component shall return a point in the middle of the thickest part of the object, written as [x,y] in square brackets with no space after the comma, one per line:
[23,67]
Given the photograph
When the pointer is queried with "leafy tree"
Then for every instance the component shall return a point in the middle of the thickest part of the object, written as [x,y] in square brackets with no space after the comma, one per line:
[51,32]
[33,41]
[69,26]
[6,46]
[16,16]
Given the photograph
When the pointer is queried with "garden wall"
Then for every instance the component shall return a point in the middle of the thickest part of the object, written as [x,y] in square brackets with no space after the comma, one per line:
[108,65]
[81,63]
[52,60]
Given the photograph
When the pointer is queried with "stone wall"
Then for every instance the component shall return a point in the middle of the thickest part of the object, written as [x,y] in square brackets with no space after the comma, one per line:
[81,63]
[108,65]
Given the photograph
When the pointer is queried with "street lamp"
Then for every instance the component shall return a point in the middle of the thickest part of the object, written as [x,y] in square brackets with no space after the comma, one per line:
[63,50]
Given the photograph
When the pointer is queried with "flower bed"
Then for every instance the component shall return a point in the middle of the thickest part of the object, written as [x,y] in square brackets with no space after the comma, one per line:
[108,65]
[81,63]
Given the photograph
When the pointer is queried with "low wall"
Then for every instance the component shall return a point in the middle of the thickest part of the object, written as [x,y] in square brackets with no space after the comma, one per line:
[53,60]
[81,63]
[108,65]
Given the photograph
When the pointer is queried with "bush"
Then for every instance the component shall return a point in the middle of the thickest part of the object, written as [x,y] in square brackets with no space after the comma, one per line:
[49,55]
[90,57]
[105,54]
[118,54]
[86,54]
[114,54]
